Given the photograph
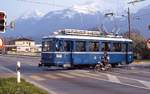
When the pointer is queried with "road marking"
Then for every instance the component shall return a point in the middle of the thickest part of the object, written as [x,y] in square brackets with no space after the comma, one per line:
[145,83]
[85,74]
[113,78]
[76,74]
[85,71]
[39,85]
[91,74]
[51,76]
[6,69]
[38,78]
[65,75]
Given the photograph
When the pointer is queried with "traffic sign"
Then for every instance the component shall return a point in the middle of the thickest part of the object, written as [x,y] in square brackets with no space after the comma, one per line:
[148,44]
[1,43]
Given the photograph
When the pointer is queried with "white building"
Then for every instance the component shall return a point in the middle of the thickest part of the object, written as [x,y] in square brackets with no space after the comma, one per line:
[25,45]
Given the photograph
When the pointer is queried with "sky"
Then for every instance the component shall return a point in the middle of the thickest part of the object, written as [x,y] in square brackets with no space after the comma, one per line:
[16,8]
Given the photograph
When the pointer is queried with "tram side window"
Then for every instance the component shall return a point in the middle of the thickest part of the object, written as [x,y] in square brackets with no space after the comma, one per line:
[124,47]
[94,46]
[80,46]
[130,47]
[105,46]
[47,46]
[67,45]
[116,47]
[59,45]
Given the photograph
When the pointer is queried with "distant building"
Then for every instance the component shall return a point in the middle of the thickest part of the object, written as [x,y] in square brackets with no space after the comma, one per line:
[21,45]
[39,47]
[25,45]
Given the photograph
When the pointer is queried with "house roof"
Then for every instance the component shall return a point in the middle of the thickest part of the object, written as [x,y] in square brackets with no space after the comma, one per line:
[23,39]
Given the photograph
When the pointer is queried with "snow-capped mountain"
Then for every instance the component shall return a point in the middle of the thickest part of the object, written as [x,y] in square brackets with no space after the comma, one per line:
[92,14]
[32,14]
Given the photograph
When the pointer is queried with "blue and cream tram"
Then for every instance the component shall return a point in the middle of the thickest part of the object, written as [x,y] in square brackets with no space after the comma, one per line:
[69,48]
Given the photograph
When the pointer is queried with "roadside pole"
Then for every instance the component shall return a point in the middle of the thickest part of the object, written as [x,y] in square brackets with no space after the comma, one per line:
[18,72]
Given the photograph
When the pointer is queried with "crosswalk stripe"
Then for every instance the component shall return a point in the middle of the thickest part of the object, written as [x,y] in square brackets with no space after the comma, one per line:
[91,74]
[113,78]
[145,83]
[38,78]
[83,71]
[85,74]
[65,75]
[76,74]
[51,76]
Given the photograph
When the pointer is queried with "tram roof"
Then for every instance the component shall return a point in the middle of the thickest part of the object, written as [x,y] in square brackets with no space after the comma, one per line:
[87,38]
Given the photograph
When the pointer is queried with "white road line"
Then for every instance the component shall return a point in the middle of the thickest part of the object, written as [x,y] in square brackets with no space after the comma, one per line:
[6,69]
[65,75]
[145,83]
[51,76]
[38,78]
[113,78]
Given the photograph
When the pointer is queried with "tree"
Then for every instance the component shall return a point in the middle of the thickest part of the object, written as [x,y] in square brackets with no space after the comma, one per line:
[139,45]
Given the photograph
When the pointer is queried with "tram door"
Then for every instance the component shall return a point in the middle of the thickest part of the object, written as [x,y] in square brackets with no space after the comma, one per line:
[126,53]
[68,47]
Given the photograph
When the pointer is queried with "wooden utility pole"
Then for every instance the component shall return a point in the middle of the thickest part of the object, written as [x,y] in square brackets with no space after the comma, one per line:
[129,23]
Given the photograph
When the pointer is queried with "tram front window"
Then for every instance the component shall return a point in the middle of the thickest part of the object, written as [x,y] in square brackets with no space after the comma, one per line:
[47,46]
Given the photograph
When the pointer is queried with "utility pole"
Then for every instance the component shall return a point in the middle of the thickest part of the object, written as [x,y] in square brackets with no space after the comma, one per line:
[129,23]
[129,15]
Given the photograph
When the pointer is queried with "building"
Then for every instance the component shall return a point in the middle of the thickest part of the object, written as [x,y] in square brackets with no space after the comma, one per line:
[25,45]
[21,45]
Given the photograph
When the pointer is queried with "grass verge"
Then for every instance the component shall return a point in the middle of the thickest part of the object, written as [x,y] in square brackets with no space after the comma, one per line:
[10,86]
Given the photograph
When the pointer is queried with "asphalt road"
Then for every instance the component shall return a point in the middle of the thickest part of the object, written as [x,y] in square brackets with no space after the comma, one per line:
[123,80]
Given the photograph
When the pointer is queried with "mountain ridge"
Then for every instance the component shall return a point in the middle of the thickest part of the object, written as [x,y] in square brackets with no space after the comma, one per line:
[37,27]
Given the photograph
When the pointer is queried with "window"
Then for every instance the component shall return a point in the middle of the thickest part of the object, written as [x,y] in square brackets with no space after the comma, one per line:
[124,47]
[59,45]
[80,46]
[130,47]
[116,47]
[94,46]
[47,46]
[67,45]
[105,46]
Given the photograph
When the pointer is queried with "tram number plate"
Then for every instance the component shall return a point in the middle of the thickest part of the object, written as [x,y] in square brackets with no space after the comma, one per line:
[59,55]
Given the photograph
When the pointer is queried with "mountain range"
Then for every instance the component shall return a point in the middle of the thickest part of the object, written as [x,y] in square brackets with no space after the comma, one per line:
[36,25]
